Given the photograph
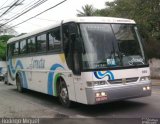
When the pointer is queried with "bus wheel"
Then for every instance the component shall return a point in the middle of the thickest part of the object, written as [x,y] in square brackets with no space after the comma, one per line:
[63,94]
[19,84]
[5,82]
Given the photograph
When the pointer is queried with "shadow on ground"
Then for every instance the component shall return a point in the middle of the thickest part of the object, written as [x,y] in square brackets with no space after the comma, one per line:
[81,109]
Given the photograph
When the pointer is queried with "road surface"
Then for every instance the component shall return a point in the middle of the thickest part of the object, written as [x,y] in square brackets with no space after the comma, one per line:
[36,105]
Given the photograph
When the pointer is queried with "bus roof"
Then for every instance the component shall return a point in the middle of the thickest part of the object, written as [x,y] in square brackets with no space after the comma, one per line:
[78,20]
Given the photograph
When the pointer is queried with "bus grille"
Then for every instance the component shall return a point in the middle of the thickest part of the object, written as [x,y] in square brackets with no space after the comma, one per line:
[119,81]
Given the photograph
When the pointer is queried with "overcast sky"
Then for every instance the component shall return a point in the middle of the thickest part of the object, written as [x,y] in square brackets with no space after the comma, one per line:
[65,10]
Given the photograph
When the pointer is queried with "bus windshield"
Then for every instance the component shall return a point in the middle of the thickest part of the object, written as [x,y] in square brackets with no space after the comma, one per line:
[111,45]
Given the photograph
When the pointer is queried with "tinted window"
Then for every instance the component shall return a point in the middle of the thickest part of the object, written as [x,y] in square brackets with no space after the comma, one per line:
[16,48]
[23,47]
[54,39]
[111,45]
[41,43]
[66,38]
[31,45]
[10,50]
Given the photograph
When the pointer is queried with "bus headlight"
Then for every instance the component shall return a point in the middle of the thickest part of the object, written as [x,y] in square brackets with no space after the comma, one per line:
[101,96]
[146,88]
[98,94]
[96,83]
[145,78]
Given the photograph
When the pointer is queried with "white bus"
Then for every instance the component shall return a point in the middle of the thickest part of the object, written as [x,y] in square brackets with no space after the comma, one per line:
[90,60]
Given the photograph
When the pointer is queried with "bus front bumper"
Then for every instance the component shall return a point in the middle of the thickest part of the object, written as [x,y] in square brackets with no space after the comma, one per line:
[117,92]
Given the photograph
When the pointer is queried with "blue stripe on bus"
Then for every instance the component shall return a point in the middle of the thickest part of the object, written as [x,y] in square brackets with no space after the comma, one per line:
[13,72]
[51,77]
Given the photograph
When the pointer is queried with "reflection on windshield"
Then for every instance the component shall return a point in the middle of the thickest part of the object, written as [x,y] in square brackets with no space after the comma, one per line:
[108,45]
[126,39]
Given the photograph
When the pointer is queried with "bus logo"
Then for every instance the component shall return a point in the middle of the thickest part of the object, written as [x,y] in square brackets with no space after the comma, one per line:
[101,75]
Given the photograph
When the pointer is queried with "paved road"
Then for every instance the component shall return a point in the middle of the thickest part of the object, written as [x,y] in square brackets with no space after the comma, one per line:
[33,104]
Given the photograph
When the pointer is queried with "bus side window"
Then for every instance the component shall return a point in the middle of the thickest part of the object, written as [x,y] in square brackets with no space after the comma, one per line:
[16,48]
[10,50]
[31,45]
[54,39]
[41,43]
[23,47]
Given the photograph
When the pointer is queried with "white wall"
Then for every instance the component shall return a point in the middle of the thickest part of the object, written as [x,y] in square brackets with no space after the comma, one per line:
[155,67]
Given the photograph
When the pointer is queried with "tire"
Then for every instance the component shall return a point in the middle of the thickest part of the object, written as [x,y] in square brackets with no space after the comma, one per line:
[5,82]
[63,94]
[19,84]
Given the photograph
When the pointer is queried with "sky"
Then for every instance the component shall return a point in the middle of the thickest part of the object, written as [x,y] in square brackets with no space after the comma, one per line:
[66,10]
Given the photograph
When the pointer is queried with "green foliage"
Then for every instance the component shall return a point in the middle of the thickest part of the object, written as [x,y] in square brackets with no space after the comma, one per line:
[101,12]
[2,50]
[153,48]
[87,10]
[146,13]
[3,45]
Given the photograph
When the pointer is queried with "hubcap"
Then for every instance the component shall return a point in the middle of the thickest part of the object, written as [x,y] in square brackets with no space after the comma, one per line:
[64,94]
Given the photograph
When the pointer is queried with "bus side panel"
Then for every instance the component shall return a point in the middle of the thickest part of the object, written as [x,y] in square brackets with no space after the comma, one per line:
[11,71]
[40,73]
[80,86]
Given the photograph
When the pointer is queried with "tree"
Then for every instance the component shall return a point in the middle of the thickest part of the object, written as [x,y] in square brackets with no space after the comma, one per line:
[87,10]
[101,12]
[7,30]
[3,45]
